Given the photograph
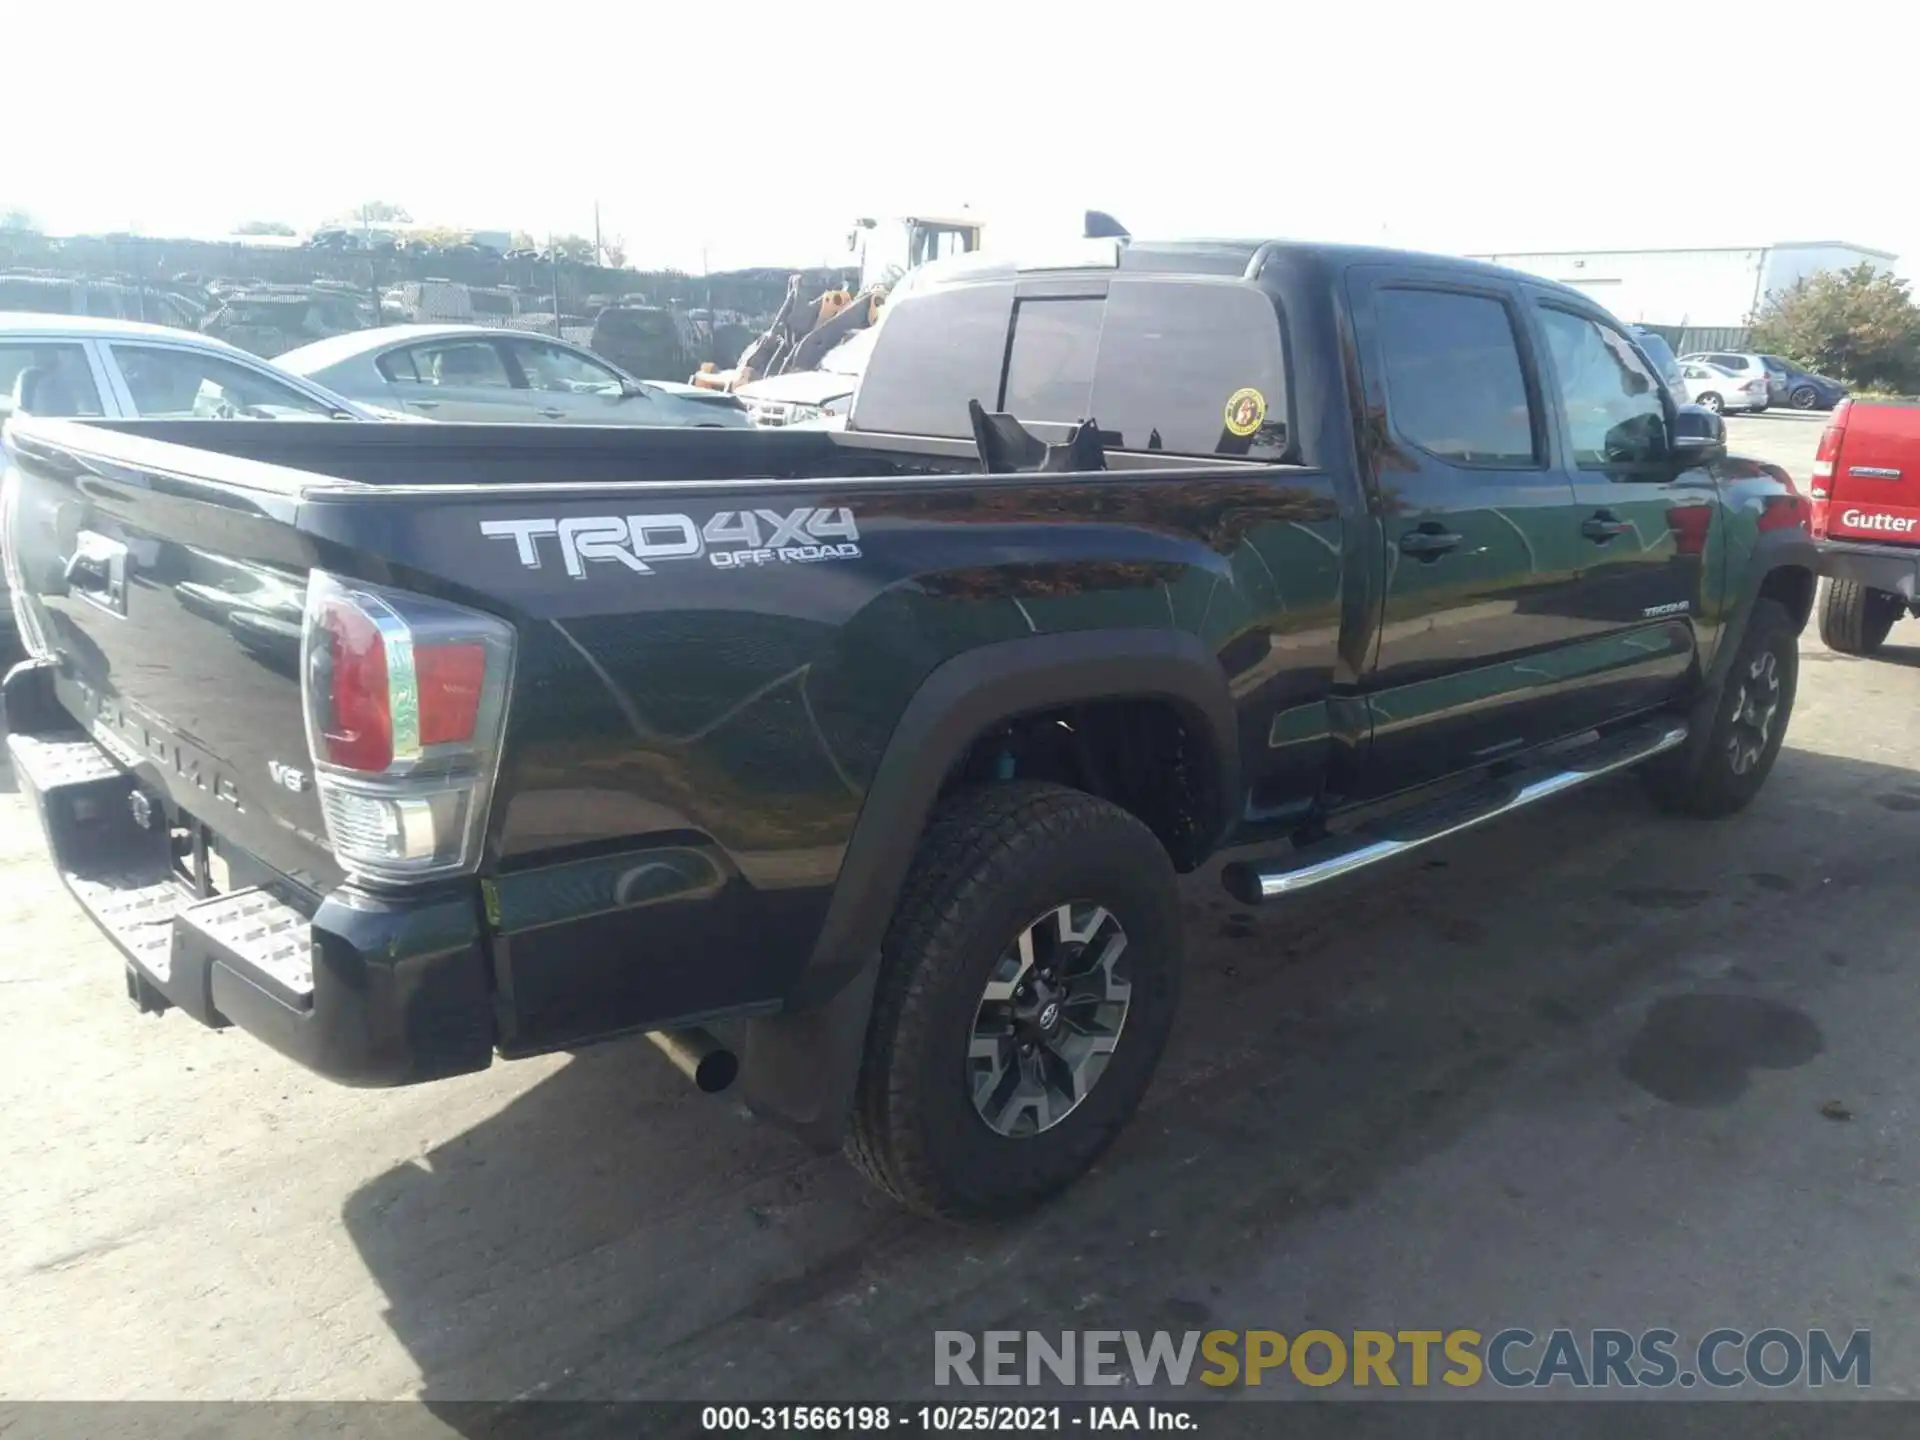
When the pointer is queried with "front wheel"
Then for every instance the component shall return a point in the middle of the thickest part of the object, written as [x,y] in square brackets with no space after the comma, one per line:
[1720,772]
[1028,985]
[1711,401]
[1856,619]
[1803,397]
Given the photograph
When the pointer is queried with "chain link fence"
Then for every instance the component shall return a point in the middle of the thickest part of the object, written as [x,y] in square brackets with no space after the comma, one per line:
[270,297]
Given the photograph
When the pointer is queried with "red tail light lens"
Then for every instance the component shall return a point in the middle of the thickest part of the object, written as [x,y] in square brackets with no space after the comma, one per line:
[450,678]
[1829,450]
[358,733]
[405,699]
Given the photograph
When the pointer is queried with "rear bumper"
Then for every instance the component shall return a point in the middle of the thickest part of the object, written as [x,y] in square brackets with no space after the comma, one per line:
[364,990]
[1893,568]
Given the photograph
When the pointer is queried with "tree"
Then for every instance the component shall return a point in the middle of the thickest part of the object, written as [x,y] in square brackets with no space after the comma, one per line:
[383,212]
[18,220]
[1859,325]
[264,227]
[575,247]
[614,247]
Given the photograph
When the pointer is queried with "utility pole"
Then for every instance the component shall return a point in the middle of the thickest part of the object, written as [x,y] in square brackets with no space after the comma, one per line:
[713,320]
[554,253]
[599,255]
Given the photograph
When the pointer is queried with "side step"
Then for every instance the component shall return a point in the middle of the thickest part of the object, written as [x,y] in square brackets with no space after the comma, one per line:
[1252,882]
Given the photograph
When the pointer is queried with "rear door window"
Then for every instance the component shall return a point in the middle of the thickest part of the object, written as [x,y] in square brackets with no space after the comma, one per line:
[47,378]
[164,381]
[1455,386]
[469,363]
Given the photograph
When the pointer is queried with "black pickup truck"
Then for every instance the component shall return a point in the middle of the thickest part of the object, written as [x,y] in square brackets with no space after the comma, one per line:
[403,747]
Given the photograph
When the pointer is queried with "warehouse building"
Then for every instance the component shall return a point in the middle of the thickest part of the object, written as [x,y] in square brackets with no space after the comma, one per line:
[1700,299]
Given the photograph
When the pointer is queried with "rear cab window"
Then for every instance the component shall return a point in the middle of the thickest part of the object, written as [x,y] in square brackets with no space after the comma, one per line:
[1192,367]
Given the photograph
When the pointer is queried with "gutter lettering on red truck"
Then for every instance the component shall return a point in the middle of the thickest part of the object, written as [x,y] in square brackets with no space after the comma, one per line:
[1869,520]
[730,539]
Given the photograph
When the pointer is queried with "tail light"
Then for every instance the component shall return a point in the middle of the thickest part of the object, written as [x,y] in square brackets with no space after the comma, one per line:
[1829,450]
[405,703]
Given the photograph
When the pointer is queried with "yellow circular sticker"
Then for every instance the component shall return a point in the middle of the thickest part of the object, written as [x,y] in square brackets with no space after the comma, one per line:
[1246,412]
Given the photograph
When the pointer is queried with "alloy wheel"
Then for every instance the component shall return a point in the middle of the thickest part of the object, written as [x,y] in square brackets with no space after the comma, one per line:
[1049,1019]
[1757,704]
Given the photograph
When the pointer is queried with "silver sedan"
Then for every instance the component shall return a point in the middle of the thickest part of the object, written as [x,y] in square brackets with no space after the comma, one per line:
[476,372]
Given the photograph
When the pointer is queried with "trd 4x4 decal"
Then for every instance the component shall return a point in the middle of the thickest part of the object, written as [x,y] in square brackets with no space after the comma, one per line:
[730,539]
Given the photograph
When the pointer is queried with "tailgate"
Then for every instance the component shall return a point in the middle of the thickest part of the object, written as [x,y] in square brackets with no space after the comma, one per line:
[1873,490]
[173,606]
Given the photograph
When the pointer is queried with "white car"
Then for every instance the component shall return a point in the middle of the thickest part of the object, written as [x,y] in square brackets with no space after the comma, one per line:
[1722,391]
[122,369]
[482,373]
[93,366]
[1738,363]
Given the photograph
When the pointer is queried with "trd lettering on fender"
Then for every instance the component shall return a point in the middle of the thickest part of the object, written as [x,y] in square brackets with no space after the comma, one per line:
[729,539]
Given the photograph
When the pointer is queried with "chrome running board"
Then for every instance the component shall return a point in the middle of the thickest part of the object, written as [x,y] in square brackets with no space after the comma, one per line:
[1252,882]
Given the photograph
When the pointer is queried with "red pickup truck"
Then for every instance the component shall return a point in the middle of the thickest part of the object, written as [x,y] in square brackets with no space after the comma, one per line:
[1866,519]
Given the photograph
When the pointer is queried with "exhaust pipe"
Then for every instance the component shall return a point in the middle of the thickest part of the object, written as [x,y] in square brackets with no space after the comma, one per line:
[698,1056]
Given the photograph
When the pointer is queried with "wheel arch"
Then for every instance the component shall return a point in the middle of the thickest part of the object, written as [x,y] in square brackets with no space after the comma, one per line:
[800,1065]
[1784,565]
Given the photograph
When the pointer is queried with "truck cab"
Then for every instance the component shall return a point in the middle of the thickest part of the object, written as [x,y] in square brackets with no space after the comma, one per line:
[885,250]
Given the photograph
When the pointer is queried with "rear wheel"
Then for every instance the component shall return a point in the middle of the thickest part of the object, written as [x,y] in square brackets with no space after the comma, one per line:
[1711,401]
[1722,771]
[1028,986]
[1856,619]
[1803,397]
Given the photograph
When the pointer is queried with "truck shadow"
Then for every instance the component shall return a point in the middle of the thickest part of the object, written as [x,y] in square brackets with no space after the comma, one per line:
[611,1235]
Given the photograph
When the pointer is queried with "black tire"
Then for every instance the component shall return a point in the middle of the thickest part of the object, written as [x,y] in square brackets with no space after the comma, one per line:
[1720,773]
[1856,619]
[992,859]
[1803,397]
[1711,401]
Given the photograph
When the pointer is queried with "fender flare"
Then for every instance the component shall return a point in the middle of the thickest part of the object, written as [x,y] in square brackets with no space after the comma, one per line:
[800,1065]
[1775,550]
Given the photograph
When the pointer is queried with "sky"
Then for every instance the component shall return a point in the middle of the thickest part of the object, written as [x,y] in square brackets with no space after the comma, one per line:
[741,132]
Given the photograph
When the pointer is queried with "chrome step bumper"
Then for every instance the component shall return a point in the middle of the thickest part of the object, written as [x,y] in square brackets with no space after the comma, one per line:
[362,988]
[122,874]
[1252,882]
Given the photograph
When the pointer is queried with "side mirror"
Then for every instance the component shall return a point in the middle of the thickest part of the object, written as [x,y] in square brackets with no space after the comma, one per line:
[1699,434]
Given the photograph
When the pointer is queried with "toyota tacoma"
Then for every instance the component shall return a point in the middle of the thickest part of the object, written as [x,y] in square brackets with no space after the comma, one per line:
[881,749]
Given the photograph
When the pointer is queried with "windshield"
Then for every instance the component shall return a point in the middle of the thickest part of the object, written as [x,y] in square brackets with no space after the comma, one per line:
[849,357]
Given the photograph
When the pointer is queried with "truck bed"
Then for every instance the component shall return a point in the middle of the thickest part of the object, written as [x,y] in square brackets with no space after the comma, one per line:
[713,697]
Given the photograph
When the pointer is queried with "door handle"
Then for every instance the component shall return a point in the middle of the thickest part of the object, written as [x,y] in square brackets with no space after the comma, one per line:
[1428,542]
[97,571]
[1604,526]
[424,404]
[551,414]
